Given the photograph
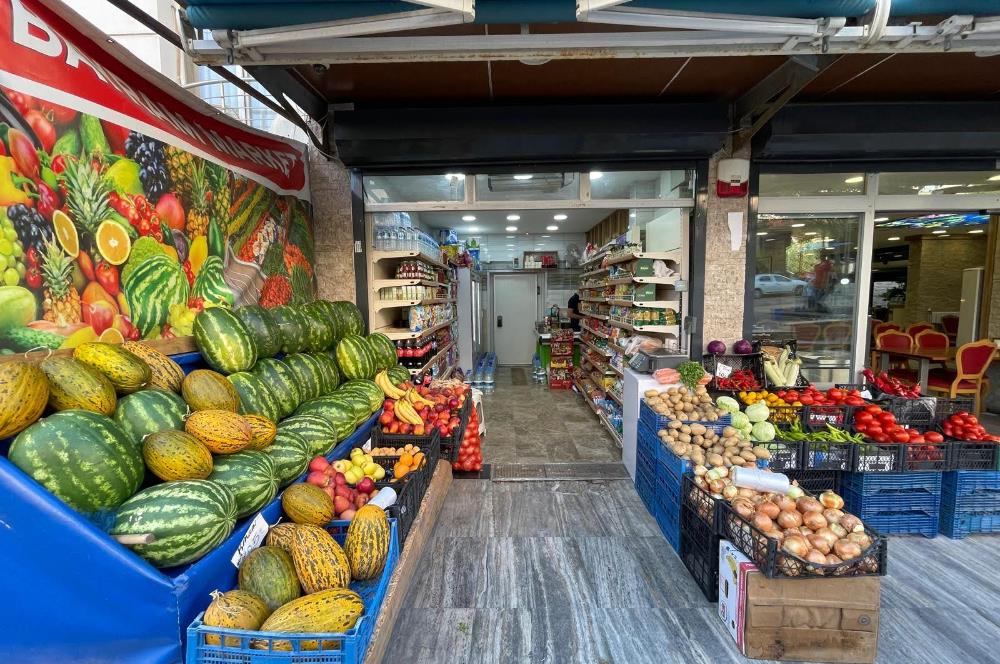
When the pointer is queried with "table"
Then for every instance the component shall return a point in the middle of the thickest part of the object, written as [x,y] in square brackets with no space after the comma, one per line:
[924,357]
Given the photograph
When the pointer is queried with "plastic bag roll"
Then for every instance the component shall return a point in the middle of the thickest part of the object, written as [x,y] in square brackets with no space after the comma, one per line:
[386,498]
[763,481]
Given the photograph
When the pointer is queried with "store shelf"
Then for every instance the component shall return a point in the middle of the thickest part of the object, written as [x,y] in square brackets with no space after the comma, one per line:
[652,304]
[602,351]
[674,255]
[590,315]
[593,272]
[390,304]
[594,332]
[389,283]
[434,360]
[663,281]
[396,333]
[649,329]
[615,347]
[594,286]
[607,425]
[594,259]
[613,396]
[390,255]
[594,299]
[616,370]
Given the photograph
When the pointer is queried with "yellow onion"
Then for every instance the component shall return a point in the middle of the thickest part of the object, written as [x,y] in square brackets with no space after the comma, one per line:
[830,536]
[729,492]
[768,508]
[743,507]
[775,534]
[789,519]
[814,520]
[851,524]
[832,559]
[846,549]
[700,470]
[805,531]
[716,486]
[748,493]
[807,504]
[820,543]
[762,522]
[861,539]
[816,557]
[795,492]
[795,545]
[831,500]
[791,532]
[833,515]
[786,504]
[700,481]
[839,529]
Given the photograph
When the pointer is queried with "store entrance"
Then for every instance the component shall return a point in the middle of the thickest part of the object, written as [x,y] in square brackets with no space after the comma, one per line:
[515,310]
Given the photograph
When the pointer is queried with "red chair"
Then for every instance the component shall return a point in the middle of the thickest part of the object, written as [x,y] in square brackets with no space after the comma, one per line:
[917,328]
[949,324]
[885,327]
[972,360]
[931,339]
[895,340]
[806,334]
[837,333]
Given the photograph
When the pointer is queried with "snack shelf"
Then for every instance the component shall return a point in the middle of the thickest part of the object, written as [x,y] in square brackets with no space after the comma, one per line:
[594,332]
[395,333]
[389,255]
[673,255]
[653,329]
[602,351]
[395,304]
[597,316]
[389,283]
[663,281]
[652,304]
[594,272]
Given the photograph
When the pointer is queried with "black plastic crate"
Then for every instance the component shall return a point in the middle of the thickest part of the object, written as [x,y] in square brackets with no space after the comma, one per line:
[785,454]
[945,408]
[910,413]
[759,342]
[784,416]
[969,455]
[772,562]
[871,457]
[430,445]
[815,481]
[816,417]
[827,455]
[700,501]
[750,362]
[407,501]
[700,552]
[450,445]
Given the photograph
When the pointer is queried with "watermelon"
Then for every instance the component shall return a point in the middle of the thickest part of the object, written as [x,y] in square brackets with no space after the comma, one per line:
[317,432]
[358,402]
[399,374]
[339,411]
[224,341]
[256,398]
[290,453]
[384,349]
[189,518]
[250,476]
[281,381]
[261,326]
[149,411]
[321,331]
[151,289]
[355,358]
[82,457]
[373,392]
[293,326]
[351,318]
[329,374]
[333,316]
[210,286]
[308,374]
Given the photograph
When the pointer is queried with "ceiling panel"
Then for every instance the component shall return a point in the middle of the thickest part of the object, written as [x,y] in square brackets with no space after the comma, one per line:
[721,78]
[938,76]
[431,83]
[625,79]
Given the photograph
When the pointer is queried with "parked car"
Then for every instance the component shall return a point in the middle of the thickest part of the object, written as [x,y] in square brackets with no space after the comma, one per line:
[777,284]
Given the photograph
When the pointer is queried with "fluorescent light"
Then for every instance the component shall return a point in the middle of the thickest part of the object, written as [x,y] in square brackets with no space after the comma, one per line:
[845,281]
[510,237]
[978,230]
[455,176]
[513,217]
[472,229]
[995,178]
[797,225]
[854,180]
[546,236]
[770,239]
[761,232]
[596,175]
[511,229]
[551,228]
[893,238]
[881,218]
[939,232]
[526,176]
[469,217]
[510,245]
[631,215]
[810,233]
[560,217]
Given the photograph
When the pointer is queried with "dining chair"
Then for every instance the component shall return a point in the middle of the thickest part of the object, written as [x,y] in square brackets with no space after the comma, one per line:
[805,334]
[916,328]
[971,362]
[895,340]
[949,324]
[837,333]
[931,339]
[885,327]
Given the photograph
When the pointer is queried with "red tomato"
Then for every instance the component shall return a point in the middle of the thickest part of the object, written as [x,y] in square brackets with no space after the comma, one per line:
[854,401]
[873,430]
[835,394]
[792,395]
[854,393]
[880,438]
[886,417]
[806,400]
[861,426]
[873,409]
[933,437]
[863,417]
[900,436]
[971,419]
[916,438]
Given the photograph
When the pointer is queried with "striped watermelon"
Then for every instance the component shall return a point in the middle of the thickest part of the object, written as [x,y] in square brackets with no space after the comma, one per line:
[321,328]
[256,397]
[351,319]
[308,374]
[329,373]
[189,518]
[149,411]
[84,458]
[151,289]
[337,410]
[373,392]
[318,433]
[250,476]
[261,326]
[358,402]
[293,326]
[355,358]
[332,315]
[224,341]
[399,374]
[290,454]
[210,285]
[277,376]
[384,349]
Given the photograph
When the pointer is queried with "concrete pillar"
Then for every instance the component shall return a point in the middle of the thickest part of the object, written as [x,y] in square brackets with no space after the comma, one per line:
[330,190]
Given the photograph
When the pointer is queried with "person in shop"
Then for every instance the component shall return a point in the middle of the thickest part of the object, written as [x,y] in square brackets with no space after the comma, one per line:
[574,315]
[819,285]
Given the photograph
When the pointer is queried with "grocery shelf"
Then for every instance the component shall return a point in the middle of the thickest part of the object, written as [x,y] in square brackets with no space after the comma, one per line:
[665,281]
[673,255]
[615,397]
[594,332]
[389,283]
[390,255]
[593,272]
[651,304]
[590,315]
[616,370]
[616,347]
[602,351]
[607,425]
[594,299]
[390,304]
[396,333]
[431,362]
[595,258]
[652,329]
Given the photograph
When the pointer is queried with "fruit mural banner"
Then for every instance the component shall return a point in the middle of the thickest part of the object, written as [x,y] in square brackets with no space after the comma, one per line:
[126,204]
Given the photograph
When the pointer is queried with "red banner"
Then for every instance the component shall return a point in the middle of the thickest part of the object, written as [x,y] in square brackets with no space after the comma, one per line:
[47,54]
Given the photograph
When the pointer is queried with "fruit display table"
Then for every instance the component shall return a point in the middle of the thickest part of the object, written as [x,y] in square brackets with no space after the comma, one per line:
[114,605]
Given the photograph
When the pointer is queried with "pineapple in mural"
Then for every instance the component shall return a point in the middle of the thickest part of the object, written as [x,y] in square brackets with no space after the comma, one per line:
[218,183]
[180,167]
[87,195]
[198,214]
[60,299]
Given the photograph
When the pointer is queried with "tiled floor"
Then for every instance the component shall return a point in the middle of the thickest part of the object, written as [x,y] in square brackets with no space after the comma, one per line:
[529,423]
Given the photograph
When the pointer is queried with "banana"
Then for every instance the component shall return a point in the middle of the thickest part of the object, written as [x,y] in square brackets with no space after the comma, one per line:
[390,390]
[404,411]
[414,397]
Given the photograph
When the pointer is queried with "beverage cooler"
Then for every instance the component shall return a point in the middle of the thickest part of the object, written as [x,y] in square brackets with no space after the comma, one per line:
[470,318]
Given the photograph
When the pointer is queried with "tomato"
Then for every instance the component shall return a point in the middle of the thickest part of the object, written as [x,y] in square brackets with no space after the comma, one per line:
[873,430]
[933,437]
[854,401]
[792,395]
[854,393]
[873,409]
[835,394]
[863,416]
[971,419]
[880,438]
[886,418]
[916,438]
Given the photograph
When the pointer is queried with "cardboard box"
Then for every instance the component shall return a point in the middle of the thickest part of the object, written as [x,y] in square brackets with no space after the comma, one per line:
[817,620]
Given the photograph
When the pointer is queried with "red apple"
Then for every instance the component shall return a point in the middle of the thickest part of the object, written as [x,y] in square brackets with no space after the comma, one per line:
[386,417]
[319,463]
[318,478]
[405,428]
[329,491]
[169,209]
[360,500]
[341,504]
[342,490]
[339,479]
[347,515]
[366,485]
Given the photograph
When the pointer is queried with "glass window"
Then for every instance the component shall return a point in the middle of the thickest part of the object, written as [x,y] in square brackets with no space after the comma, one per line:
[954,183]
[648,185]
[804,288]
[812,184]
[414,188]
[528,187]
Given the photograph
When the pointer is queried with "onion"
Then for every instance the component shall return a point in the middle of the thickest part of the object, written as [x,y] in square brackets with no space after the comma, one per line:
[805,531]
[700,470]
[814,520]
[833,515]
[861,539]
[820,543]
[770,509]
[852,524]
[743,508]
[722,471]
[791,532]
[729,492]
[786,504]
[833,560]
[713,475]
[716,486]
[789,519]
[829,536]
[795,545]
[839,529]
[807,504]
[762,522]
[816,557]
[846,549]
[831,500]
[748,493]
[795,492]
[700,481]
[775,534]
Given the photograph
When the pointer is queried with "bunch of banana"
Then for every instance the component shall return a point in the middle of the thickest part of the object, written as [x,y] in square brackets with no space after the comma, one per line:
[405,412]
[382,380]
[416,399]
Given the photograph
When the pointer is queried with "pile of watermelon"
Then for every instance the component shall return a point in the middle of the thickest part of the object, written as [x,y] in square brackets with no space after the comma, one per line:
[120,437]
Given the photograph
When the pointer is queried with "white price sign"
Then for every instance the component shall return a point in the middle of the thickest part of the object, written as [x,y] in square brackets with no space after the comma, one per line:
[723,370]
[866,394]
[255,535]
[367,447]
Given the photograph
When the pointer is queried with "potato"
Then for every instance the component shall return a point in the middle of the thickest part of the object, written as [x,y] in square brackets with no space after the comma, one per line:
[717,449]
[697,440]
[675,398]
[726,463]
[730,432]
[688,408]
[684,437]
[685,429]
[715,460]
[739,461]
[698,429]
[651,393]
[743,444]
[761,452]
[674,424]
[748,455]
[712,417]
[731,451]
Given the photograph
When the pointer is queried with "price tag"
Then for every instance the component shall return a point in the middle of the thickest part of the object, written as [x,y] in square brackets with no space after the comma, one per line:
[255,535]
[367,447]
[723,370]
[865,394]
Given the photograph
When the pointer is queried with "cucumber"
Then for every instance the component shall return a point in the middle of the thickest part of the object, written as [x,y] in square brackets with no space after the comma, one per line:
[23,339]
[68,143]
[92,136]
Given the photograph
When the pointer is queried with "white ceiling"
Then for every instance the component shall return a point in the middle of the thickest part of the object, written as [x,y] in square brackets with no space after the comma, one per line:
[532,221]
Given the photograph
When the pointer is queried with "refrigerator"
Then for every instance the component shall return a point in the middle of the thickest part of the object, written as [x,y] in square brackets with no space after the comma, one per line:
[470,318]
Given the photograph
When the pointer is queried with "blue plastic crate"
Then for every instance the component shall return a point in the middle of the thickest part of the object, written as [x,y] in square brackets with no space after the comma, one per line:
[345,648]
[672,465]
[961,524]
[877,503]
[668,492]
[670,525]
[655,421]
[865,484]
[904,522]
[971,490]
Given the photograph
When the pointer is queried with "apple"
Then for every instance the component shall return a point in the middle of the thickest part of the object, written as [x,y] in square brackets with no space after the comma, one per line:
[347,515]
[366,485]
[319,463]
[339,479]
[341,504]
[379,473]
[360,500]
[343,490]
[342,465]
[319,478]
[329,491]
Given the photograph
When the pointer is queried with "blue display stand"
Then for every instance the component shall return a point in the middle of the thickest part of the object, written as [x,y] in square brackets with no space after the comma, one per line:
[72,593]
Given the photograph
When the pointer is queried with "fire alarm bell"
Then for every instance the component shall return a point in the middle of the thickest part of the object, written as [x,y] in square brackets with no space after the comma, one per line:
[734,178]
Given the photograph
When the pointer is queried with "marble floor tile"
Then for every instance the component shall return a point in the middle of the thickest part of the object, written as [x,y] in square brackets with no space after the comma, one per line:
[433,635]
[537,573]
[452,573]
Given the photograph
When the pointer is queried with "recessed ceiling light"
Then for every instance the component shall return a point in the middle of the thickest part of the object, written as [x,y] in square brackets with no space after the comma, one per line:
[560,217]
[797,225]
[469,217]
[939,232]
[811,233]
[526,176]
[510,245]
[472,229]
[881,218]
[978,230]
[510,237]
[761,232]
[455,176]
[511,229]
[632,215]
[546,236]
[551,228]
[770,239]
[596,175]
[995,178]
[845,281]
[513,217]
[854,180]
[893,238]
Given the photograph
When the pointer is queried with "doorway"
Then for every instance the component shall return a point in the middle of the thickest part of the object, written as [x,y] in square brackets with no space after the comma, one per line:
[515,310]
